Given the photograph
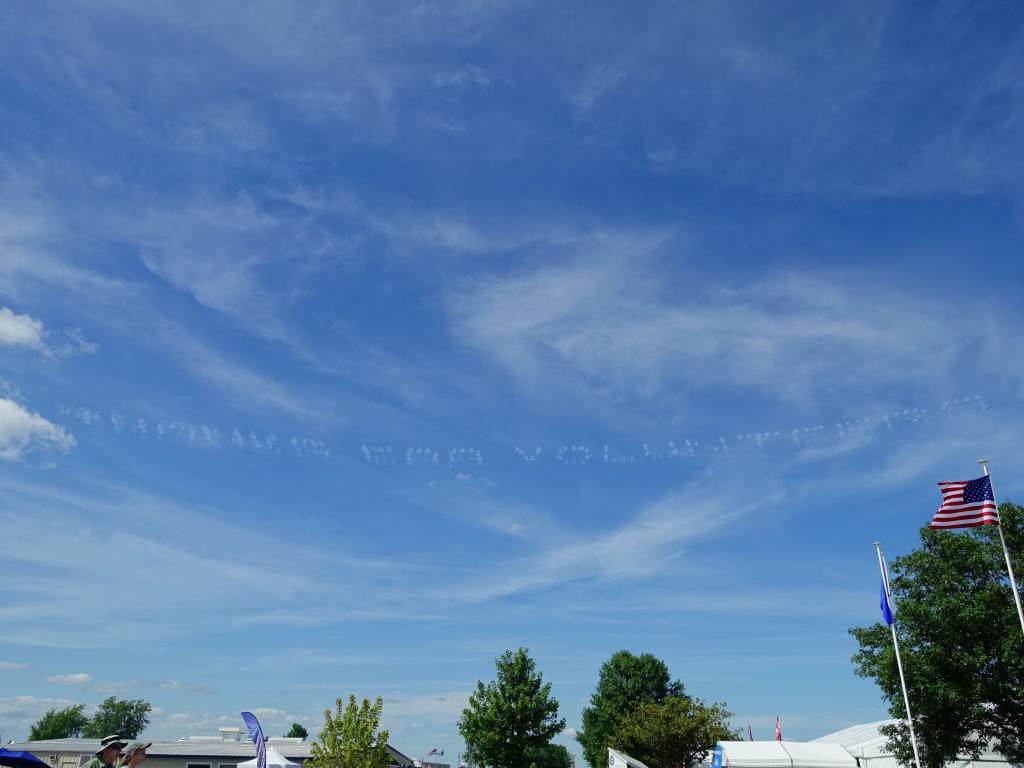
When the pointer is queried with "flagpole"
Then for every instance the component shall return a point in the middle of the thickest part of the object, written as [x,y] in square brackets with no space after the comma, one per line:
[896,645]
[1006,552]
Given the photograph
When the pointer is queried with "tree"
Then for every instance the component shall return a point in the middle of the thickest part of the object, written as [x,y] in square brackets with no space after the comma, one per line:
[351,737]
[510,719]
[127,718]
[297,732]
[549,756]
[60,724]
[625,683]
[963,651]
[677,733]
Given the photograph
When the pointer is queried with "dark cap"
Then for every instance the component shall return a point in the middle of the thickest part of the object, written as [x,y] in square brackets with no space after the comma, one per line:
[109,743]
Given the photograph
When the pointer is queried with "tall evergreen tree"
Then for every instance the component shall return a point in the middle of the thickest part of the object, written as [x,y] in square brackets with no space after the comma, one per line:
[510,721]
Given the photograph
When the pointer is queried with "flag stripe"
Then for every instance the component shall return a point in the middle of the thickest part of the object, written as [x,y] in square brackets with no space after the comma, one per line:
[966,504]
[965,514]
[961,506]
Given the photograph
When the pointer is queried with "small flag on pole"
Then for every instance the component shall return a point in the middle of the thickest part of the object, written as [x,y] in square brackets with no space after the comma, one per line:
[256,734]
[884,604]
[966,504]
[432,752]
[778,729]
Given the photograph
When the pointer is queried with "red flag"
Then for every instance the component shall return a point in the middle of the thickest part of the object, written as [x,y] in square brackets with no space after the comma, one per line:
[778,729]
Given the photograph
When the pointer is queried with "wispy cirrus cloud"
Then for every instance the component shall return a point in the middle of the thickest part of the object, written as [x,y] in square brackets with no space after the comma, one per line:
[640,547]
[606,327]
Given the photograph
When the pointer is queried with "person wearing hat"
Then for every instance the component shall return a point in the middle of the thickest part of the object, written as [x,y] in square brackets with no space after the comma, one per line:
[134,754]
[106,755]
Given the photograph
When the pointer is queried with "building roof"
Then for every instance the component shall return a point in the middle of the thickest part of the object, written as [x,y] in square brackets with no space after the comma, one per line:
[216,748]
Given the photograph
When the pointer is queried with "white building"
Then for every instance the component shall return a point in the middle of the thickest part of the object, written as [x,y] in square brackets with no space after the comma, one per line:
[224,751]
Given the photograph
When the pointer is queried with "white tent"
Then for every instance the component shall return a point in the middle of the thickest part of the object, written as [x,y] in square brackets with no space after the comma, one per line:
[868,745]
[274,760]
[618,759]
[784,754]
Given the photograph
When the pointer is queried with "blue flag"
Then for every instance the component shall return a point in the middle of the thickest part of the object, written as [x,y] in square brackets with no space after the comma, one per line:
[256,734]
[884,605]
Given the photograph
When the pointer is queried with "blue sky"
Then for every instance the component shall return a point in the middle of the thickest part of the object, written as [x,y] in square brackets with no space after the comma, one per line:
[345,345]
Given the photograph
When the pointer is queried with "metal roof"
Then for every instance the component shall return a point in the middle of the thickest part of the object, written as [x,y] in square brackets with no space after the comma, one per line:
[186,748]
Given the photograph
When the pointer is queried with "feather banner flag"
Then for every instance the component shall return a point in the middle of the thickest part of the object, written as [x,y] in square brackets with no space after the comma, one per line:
[256,734]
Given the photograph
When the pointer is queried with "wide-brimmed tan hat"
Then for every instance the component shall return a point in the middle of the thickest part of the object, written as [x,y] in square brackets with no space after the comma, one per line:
[135,746]
[110,742]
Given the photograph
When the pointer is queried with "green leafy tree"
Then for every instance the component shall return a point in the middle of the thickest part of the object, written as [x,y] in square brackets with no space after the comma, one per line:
[127,718]
[60,724]
[351,737]
[963,651]
[677,733]
[297,732]
[549,756]
[510,719]
[625,683]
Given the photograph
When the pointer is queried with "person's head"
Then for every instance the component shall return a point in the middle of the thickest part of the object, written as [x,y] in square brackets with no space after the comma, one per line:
[135,753]
[110,748]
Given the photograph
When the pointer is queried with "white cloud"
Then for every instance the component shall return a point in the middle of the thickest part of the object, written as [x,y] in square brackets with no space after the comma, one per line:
[11,665]
[26,331]
[77,678]
[19,712]
[606,326]
[22,430]
[20,330]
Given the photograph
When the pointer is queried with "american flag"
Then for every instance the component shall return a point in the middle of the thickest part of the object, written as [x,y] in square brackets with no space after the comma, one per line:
[966,504]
